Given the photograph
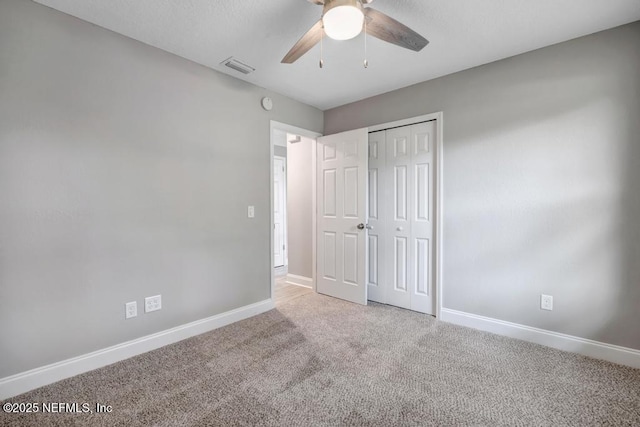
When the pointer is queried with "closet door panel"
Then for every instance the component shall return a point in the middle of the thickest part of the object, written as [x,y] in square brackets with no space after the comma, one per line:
[421,288]
[399,206]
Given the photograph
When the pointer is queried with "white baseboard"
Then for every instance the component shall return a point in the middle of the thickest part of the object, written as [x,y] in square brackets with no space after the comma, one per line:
[29,380]
[598,350]
[305,282]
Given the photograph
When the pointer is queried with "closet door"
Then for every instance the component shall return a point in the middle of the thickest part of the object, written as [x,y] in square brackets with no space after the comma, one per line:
[421,212]
[399,205]
[401,209]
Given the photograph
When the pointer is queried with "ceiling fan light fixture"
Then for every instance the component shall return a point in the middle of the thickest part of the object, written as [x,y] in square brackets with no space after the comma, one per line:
[342,19]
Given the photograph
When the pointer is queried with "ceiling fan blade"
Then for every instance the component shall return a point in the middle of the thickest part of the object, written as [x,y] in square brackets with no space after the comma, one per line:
[306,42]
[318,2]
[388,29]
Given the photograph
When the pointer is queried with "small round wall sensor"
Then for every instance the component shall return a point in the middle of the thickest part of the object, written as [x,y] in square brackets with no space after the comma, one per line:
[267,103]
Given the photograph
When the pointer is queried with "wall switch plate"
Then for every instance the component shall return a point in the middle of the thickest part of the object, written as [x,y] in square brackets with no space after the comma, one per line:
[153,303]
[130,310]
[546,302]
[251,211]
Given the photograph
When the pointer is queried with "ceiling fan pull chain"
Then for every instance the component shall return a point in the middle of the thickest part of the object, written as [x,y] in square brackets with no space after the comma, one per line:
[321,38]
[366,63]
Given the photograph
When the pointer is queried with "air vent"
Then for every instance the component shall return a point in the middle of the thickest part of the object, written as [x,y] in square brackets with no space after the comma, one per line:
[234,64]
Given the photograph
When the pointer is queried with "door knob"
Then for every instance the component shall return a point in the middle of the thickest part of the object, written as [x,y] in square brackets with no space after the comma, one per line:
[399,229]
[360,226]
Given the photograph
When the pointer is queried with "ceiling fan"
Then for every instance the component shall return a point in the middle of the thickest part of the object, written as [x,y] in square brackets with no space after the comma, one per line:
[345,19]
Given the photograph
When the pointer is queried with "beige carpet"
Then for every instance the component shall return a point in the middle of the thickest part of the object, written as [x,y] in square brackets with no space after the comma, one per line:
[318,361]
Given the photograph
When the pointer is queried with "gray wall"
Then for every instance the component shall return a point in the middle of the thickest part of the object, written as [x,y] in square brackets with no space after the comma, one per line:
[125,172]
[541,183]
[300,207]
[280,151]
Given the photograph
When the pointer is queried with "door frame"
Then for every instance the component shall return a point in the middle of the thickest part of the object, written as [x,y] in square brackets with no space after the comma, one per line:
[273,125]
[438,185]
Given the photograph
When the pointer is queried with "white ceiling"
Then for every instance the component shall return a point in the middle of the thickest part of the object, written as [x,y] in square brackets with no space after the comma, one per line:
[463,34]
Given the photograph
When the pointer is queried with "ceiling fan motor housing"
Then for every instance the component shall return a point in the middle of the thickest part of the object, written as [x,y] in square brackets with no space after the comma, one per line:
[330,4]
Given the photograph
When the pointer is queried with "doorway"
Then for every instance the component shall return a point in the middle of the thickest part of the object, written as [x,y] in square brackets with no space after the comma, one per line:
[292,209]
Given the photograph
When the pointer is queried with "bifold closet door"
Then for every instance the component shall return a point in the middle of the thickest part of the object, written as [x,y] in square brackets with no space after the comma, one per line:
[422,211]
[397,228]
[401,214]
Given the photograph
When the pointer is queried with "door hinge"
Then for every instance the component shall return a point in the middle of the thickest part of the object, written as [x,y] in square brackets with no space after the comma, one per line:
[283,247]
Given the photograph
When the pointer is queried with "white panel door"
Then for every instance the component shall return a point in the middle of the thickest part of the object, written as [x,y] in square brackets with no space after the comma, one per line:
[376,241]
[342,207]
[401,208]
[398,206]
[422,229]
[279,211]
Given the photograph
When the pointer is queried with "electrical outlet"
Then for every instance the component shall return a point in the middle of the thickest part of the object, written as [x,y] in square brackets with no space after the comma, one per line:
[130,310]
[251,211]
[153,303]
[546,302]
